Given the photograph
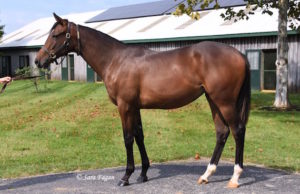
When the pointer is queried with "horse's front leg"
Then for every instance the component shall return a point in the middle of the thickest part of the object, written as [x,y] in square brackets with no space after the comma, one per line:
[128,118]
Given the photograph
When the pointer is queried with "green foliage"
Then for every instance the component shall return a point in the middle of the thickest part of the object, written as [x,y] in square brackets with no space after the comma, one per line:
[1,31]
[230,14]
[29,71]
[74,126]
[25,71]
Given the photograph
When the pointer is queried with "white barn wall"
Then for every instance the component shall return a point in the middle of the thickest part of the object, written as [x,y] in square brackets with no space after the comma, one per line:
[15,54]
[56,71]
[80,68]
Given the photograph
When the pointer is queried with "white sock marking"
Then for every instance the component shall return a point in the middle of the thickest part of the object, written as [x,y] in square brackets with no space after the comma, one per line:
[211,168]
[236,174]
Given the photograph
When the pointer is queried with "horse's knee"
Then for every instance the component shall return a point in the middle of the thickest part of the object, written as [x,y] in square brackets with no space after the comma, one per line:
[239,133]
[222,137]
[128,140]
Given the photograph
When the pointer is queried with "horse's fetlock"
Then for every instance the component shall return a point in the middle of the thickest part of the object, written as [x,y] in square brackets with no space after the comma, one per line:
[130,170]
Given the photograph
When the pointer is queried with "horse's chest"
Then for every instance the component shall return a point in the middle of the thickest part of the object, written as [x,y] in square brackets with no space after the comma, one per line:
[111,93]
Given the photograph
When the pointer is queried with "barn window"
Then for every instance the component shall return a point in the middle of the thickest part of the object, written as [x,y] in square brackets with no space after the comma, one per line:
[23,61]
[6,66]
[269,69]
[253,58]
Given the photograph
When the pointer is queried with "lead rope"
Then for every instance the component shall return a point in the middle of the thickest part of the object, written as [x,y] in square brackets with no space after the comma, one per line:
[3,88]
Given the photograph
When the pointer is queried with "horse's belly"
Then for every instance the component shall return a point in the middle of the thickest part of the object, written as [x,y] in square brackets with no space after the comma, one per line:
[169,99]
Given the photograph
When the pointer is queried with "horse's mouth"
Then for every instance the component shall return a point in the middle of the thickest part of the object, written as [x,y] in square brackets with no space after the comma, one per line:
[45,64]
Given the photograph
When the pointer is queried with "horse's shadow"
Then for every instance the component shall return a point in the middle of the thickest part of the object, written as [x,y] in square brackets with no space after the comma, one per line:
[161,171]
[24,182]
[223,173]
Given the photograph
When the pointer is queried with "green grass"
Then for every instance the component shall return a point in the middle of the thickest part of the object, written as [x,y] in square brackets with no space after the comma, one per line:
[73,126]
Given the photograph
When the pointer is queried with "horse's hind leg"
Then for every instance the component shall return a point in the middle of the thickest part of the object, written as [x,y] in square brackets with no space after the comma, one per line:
[222,132]
[139,139]
[238,131]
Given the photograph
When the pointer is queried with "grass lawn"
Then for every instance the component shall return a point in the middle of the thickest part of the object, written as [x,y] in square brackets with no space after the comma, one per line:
[73,126]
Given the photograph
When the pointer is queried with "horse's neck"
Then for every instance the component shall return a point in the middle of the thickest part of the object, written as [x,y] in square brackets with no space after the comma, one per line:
[98,49]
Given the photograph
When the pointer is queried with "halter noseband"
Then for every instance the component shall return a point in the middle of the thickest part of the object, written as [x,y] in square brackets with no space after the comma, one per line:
[65,45]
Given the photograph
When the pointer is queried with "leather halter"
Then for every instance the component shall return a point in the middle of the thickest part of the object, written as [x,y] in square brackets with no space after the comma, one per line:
[65,45]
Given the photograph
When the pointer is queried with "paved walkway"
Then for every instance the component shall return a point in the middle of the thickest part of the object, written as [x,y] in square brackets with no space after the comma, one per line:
[171,177]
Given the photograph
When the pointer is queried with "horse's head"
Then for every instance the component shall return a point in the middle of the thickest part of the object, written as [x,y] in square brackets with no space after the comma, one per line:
[59,42]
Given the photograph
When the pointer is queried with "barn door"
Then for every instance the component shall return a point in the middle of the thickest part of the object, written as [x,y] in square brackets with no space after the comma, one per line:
[99,79]
[72,67]
[255,63]
[64,70]
[90,74]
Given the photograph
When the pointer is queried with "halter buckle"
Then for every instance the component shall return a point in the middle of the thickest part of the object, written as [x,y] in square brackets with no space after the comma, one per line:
[53,55]
[68,35]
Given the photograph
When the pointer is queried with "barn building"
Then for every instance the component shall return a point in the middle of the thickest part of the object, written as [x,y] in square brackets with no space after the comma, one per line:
[153,25]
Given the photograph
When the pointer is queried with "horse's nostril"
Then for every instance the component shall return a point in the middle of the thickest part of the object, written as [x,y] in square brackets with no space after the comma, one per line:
[37,62]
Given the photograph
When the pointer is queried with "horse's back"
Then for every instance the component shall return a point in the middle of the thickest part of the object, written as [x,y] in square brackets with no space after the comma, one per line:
[175,78]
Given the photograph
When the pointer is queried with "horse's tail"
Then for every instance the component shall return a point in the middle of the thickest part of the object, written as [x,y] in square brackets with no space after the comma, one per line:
[243,102]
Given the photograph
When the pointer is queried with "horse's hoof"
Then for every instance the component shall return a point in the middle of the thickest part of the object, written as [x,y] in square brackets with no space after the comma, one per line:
[232,185]
[202,181]
[123,183]
[142,179]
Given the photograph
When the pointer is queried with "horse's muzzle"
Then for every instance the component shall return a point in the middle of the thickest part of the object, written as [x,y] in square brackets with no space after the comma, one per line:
[37,62]
[40,64]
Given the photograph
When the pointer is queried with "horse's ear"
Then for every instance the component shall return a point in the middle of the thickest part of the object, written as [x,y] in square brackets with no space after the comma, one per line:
[58,19]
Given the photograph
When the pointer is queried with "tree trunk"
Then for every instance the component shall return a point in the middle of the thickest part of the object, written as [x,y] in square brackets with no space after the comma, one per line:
[282,97]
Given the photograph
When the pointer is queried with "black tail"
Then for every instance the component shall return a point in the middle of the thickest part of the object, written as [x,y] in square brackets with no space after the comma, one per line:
[243,102]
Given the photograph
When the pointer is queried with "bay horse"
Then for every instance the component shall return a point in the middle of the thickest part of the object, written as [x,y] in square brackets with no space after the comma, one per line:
[138,78]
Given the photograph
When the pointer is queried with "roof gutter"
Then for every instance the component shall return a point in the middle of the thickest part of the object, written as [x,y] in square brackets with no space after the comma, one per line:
[21,47]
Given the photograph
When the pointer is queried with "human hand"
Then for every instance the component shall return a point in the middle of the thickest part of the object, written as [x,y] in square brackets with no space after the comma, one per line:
[5,80]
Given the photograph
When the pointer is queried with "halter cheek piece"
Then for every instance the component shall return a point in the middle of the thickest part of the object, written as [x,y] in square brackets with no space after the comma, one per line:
[65,46]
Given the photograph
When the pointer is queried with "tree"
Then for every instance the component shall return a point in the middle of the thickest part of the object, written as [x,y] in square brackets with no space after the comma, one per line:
[1,31]
[289,13]
[1,34]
